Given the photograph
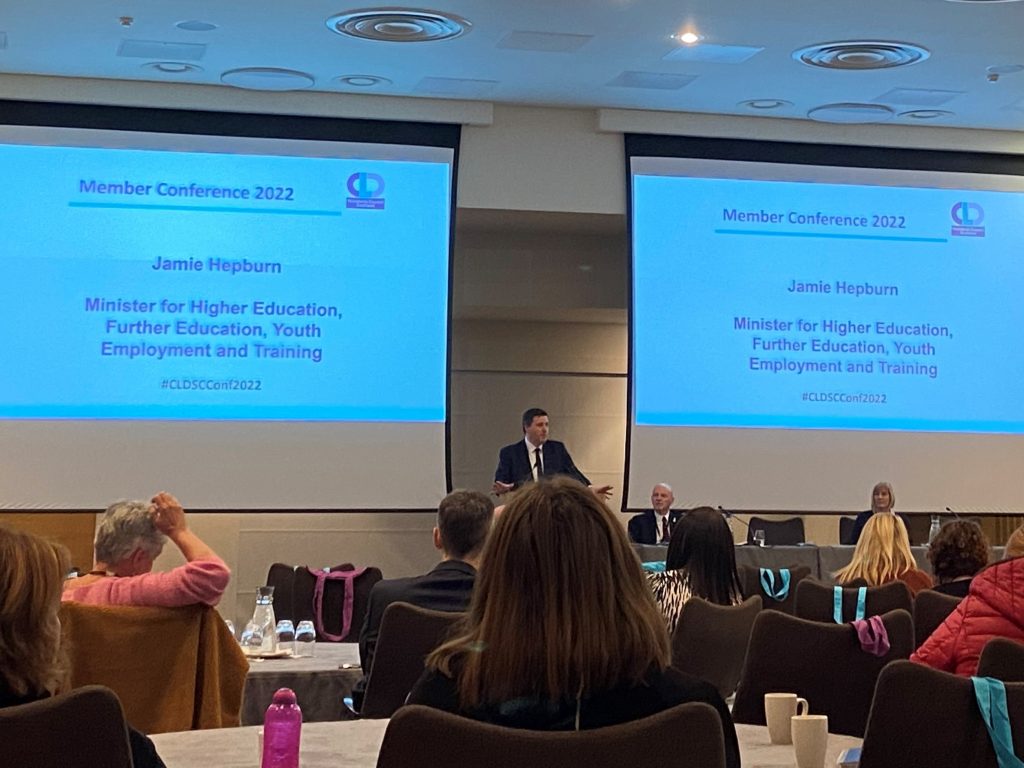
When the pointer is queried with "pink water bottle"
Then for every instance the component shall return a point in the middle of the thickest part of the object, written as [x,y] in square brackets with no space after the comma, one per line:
[282,729]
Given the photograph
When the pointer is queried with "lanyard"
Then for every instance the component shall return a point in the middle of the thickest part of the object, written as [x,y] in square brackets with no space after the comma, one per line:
[991,697]
[837,603]
[768,583]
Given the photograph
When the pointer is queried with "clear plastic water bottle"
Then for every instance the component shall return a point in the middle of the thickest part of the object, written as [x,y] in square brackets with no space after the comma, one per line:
[260,634]
[933,530]
[282,731]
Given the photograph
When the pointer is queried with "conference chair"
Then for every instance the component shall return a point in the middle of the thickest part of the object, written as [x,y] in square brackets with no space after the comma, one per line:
[846,525]
[407,635]
[1002,659]
[923,717]
[816,601]
[81,729]
[777,533]
[295,598]
[823,663]
[931,609]
[751,584]
[174,669]
[686,736]
[710,641]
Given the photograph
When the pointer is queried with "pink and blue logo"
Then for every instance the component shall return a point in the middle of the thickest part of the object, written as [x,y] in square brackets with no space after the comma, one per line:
[967,219]
[366,190]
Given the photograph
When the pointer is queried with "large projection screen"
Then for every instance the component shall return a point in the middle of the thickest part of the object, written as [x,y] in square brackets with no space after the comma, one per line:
[802,329]
[251,311]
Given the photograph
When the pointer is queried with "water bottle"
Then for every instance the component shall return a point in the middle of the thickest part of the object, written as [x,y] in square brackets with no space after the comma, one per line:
[260,635]
[282,731]
[933,531]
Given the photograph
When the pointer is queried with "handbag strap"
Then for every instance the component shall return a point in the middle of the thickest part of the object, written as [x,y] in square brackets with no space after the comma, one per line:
[768,583]
[322,577]
[837,604]
[991,697]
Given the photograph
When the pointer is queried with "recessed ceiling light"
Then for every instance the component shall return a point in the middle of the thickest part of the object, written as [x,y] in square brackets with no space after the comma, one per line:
[1005,69]
[173,67]
[363,81]
[851,113]
[926,114]
[763,104]
[688,38]
[267,79]
[982,1]
[194,25]
[861,54]
[399,25]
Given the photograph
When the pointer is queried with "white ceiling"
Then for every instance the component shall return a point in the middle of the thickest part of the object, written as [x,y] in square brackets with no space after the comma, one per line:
[82,39]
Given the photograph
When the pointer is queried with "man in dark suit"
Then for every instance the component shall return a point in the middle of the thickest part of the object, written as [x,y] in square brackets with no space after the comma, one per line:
[535,456]
[655,525]
[464,519]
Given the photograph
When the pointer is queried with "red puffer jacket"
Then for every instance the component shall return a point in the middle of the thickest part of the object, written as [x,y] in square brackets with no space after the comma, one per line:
[994,607]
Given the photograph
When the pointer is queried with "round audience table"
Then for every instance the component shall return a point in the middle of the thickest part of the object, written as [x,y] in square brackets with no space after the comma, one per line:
[356,744]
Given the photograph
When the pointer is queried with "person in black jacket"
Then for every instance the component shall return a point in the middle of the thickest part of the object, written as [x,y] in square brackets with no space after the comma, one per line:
[535,457]
[655,526]
[562,632]
[464,520]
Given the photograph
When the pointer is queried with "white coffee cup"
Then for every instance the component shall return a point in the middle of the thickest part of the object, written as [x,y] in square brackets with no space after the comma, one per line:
[779,708]
[810,740]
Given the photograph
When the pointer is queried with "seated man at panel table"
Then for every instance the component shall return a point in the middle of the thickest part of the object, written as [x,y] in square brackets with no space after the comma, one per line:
[655,525]
[534,457]
[464,519]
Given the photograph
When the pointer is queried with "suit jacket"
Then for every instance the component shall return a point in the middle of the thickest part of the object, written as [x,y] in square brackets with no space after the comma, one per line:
[643,528]
[515,464]
[448,587]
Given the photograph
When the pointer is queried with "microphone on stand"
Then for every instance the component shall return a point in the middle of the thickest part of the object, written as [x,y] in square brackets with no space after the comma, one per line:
[953,512]
[729,516]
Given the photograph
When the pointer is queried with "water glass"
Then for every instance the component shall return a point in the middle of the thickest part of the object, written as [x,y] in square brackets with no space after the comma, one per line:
[231,626]
[286,635]
[759,537]
[305,639]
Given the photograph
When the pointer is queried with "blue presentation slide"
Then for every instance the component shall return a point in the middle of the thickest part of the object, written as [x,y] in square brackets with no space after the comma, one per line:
[827,306]
[143,284]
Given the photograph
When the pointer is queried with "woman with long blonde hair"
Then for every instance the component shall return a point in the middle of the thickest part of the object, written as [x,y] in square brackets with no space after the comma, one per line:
[883,555]
[562,632]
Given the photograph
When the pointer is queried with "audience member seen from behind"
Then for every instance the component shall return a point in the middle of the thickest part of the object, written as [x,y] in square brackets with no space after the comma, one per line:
[129,538]
[1015,544]
[883,555]
[562,632]
[33,665]
[701,562]
[464,518]
[883,501]
[958,551]
[994,607]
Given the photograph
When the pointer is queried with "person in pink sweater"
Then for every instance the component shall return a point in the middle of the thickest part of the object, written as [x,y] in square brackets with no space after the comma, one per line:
[129,538]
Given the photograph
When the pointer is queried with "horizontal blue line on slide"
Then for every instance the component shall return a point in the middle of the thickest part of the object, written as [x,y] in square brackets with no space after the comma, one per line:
[220,413]
[206,209]
[831,235]
[727,420]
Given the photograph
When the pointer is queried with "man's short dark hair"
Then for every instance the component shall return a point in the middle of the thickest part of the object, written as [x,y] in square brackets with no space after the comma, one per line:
[530,414]
[464,519]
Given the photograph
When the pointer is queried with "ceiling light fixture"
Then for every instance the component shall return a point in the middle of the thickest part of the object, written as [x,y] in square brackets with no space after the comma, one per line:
[267,79]
[861,54]
[363,81]
[925,114]
[764,104]
[172,67]
[194,25]
[688,38]
[851,113]
[399,25]
[1005,69]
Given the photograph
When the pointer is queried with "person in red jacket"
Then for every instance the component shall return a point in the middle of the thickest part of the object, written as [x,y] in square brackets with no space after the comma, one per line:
[994,607]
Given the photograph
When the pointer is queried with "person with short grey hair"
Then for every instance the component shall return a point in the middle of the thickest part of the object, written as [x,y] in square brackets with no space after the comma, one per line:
[130,536]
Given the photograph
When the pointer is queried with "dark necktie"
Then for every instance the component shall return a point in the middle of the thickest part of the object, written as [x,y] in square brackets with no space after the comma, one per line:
[664,528]
[538,463]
